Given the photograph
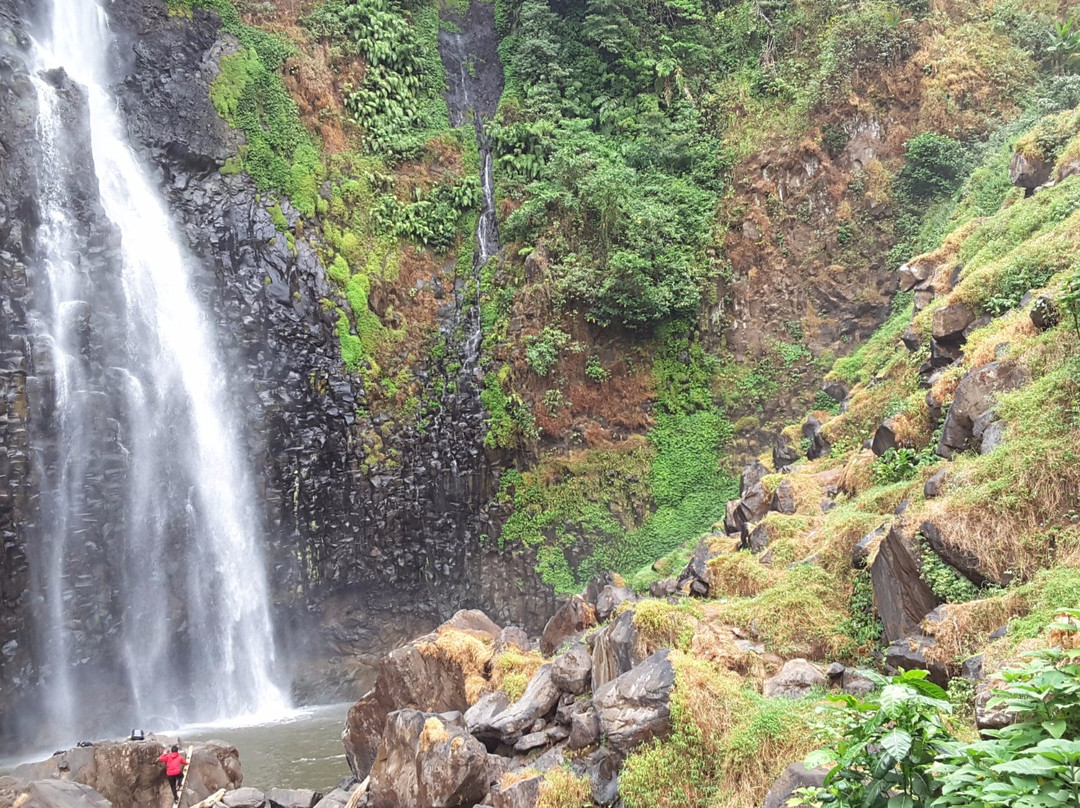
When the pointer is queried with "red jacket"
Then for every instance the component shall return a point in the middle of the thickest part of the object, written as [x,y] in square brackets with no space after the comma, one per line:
[174,762]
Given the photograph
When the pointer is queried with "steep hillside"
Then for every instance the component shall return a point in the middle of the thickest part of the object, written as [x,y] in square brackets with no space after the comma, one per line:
[701,206]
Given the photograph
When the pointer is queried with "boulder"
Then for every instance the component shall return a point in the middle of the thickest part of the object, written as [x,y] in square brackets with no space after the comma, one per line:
[795,776]
[584,730]
[795,680]
[756,540]
[975,394]
[865,546]
[695,576]
[244,798]
[885,437]
[783,454]
[950,321]
[478,718]
[836,390]
[601,767]
[914,274]
[987,717]
[935,485]
[783,499]
[902,597]
[614,650]
[1044,313]
[572,672]
[518,794]
[541,738]
[819,444]
[1029,172]
[753,505]
[909,653]
[751,475]
[856,683]
[966,562]
[942,354]
[512,637]
[599,582]
[292,797]
[417,675]
[634,707]
[336,797]
[539,699]
[570,619]
[128,774]
[428,760]
[732,525]
[664,588]
[61,794]
[611,598]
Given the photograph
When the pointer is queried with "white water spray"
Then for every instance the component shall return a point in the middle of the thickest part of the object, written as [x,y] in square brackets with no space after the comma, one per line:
[187,532]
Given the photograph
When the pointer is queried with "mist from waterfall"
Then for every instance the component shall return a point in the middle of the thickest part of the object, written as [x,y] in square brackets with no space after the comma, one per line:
[139,398]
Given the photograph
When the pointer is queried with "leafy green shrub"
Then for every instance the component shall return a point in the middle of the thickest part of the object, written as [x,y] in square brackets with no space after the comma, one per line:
[1034,761]
[886,745]
[542,350]
[943,580]
[595,370]
[897,465]
[934,167]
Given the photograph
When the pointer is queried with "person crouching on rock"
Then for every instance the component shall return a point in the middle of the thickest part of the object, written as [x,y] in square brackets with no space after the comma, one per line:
[174,767]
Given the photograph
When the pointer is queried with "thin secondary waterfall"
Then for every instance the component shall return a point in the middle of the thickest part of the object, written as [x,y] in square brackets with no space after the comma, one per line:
[147,475]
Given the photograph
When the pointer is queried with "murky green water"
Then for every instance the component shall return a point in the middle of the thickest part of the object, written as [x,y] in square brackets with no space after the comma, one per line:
[303,750]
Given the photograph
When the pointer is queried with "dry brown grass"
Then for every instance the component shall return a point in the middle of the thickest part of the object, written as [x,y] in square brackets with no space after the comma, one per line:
[564,789]
[972,77]
[858,474]
[508,779]
[966,627]
[739,574]
[512,669]
[434,732]
[470,651]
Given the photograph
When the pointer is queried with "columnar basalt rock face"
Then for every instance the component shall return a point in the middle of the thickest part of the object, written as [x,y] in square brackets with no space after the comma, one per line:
[348,548]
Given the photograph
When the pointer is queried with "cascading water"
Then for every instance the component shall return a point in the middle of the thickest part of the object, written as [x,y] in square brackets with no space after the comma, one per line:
[144,487]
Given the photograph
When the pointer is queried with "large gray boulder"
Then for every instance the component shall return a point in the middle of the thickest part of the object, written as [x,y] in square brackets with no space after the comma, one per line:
[614,650]
[819,444]
[975,394]
[795,776]
[1029,172]
[798,678]
[293,797]
[478,718]
[571,618]
[784,454]
[635,707]
[950,321]
[61,794]
[539,699]
[519,794]
[417,675]
[428,760]
[902,597]
[752,474]
[572,672]
[611,598]
[244,798]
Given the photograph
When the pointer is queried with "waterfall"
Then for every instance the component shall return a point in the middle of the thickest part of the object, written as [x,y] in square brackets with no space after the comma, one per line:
[150,538]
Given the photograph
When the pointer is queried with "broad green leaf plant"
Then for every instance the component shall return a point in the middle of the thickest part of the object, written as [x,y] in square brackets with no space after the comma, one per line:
[885,745]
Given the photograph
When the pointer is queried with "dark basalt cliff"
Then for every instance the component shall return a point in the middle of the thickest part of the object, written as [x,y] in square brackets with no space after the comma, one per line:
[367,559]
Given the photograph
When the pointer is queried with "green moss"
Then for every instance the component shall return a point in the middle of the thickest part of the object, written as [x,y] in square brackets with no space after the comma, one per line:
[339,271]
[352,351]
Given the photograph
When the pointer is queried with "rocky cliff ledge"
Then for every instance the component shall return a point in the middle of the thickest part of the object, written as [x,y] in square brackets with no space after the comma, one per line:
[346,547]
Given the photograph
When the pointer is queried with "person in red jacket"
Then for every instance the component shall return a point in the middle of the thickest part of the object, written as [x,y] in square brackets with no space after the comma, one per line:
[174,768]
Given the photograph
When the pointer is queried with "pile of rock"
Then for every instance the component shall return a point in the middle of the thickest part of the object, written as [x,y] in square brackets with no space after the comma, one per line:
[434,731]
[123,774]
